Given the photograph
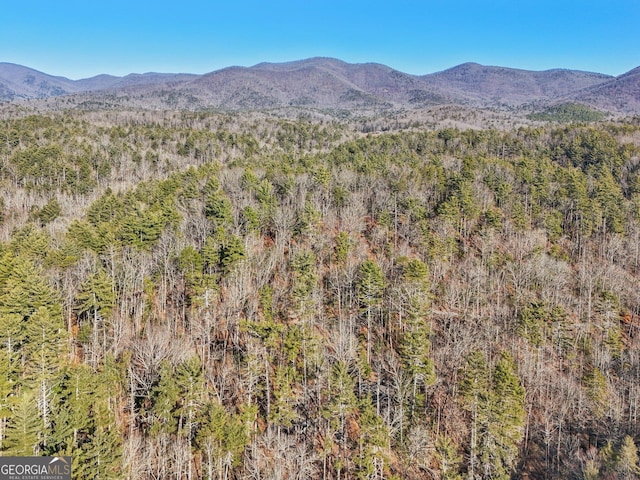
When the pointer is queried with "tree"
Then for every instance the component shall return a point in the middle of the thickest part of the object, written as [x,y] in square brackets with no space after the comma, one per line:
[476,390]
[496,403]
[221,438]
[35,336]
[49,212]
[230,253]
[24,431]
[218,209]
[340,405]
[304,279]
[627,459]
[283,412]
[507,419]
[373,438]
[84,422]
[449,458]
[178,399]
[7,380]
[371,286]
[95,301]
[415,343]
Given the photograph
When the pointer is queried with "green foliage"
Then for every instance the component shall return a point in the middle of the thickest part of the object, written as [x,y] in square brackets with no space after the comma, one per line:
[627,459]
[495,401]
[415,350]
[49,211]
[231,252]
[372,440]
[568,112]
[96,297]
[304,279]
[35,331]
[48,167]
[190,261]
[142,227]
[221,436]
[217,208]
[342,400]
[508,415]
[107,209]
[24,432]
[371,285]
[84,422]
[595,384]
[540,323]
[251,219]
[307,219]
[342,246]
[449,458]
[178,398]
[283,412]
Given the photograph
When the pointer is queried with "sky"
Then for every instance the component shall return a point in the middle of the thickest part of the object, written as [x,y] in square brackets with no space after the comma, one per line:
[82,38]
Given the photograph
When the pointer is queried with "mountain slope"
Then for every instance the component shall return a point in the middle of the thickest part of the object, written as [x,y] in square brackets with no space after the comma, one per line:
[621,94]
[17,81]
[486,84]
[327,83]
[318,82]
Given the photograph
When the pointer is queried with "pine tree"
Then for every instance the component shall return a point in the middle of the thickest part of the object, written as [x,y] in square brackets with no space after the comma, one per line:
[373,438]
[45,344]
[24,430]
[94,303]
[84,421]
[341,404]
[7,381]
[230,253]
[626,464]
[177,399]
[449,458]
[496,403]
[221,438]
[35,335]
[505,430]
[218,209]
[475,390]
[370,290]
[415,343]
[283,412]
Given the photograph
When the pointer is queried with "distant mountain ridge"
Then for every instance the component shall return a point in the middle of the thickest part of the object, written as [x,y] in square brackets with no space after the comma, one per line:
[327,83]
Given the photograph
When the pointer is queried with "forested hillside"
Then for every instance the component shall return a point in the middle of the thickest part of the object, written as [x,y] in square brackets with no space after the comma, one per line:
[204,296]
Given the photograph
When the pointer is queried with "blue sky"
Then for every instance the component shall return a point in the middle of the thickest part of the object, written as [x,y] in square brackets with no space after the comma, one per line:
[81,38]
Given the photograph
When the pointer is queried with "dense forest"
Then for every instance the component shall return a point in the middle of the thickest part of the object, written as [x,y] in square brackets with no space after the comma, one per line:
[209,296]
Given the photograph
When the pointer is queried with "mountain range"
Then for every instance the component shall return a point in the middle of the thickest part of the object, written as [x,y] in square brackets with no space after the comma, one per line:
[326,83]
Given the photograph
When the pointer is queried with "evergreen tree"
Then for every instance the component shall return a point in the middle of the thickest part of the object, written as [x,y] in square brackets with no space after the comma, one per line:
[496,403]
[370,289]
[415,341]
[341,405]
[178,399]
[283,412]
[449,458]
[476,390]
[94,303]
[373,438]
[505,429]
[221,438]
[49,211]
[627,459]
[24,430]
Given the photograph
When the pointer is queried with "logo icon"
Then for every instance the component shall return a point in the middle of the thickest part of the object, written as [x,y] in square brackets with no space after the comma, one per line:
[35,468]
